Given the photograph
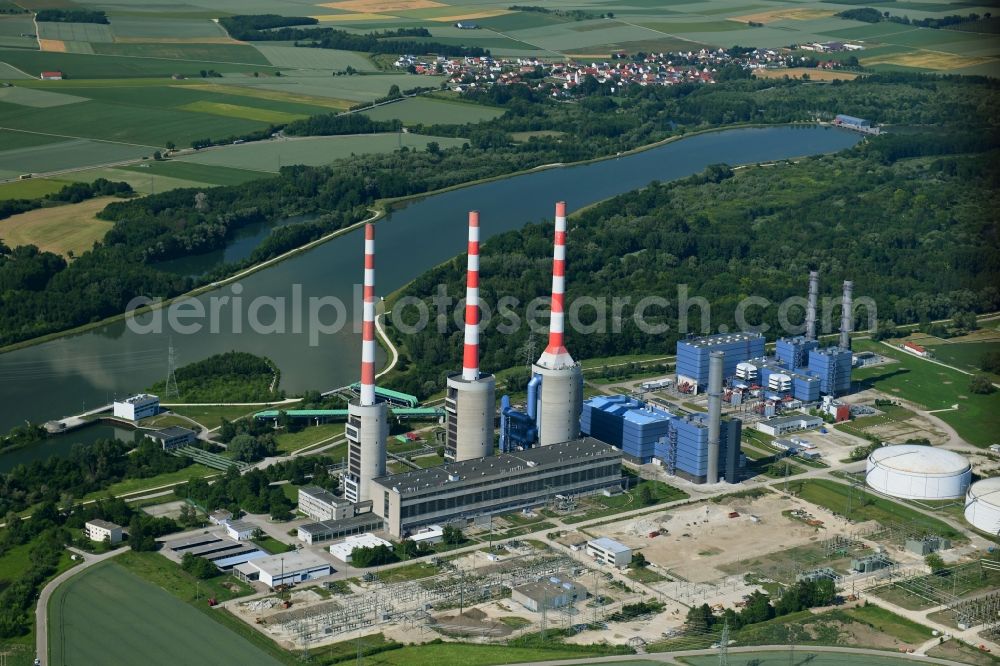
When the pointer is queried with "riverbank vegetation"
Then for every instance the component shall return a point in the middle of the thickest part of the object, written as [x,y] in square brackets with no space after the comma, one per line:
[56,296]
[728,235]
[229,377]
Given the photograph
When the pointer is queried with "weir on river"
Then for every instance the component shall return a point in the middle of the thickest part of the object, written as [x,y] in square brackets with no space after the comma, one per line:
[57,378]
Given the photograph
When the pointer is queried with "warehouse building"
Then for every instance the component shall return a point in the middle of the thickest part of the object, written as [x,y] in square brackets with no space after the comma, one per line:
[328,530]
[99,530]
[693,354]
[782,425]
[552,592]
[494,484]
[240,530]
[609,551]
[320,504]
[284,569]
[137,407]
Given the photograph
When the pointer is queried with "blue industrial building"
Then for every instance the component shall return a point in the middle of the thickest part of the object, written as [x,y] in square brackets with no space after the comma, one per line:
[793,353]
[645,433]
[803,386]
[692,355]
[833,367]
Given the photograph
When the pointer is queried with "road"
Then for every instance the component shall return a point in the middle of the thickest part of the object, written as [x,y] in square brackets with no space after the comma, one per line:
[41,610]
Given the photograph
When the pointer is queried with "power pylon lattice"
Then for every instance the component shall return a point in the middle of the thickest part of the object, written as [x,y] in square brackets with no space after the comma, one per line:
[724,645]
[170,389]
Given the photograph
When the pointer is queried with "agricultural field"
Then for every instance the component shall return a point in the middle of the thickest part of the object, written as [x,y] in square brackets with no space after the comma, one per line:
[429,110]
[313,151]
[72,228]
[110,601]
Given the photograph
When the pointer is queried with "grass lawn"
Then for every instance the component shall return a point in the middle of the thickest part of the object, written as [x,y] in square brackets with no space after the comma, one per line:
[432,460]
[273,546]
[800,656]
[58,229]
[31,188]
[977,418]
[111,600]
[834,496]
[472,655]
[289,442]
[209,175]
[965,355]
[20,650]
[890,623]
[408,572]
[600,506]
[194,471]
[645,575]
[211,417]
[421,110]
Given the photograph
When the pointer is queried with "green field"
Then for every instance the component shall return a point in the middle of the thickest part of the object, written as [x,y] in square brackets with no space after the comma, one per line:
[776,658]
[299,58]
[964,355]
[190,171]
[866,506]
[134,485]
[213,53]
[113,603]
[424,110]
[65,155]
[977,419]
[87,66]
[289,442]
[270,155]
[29,189]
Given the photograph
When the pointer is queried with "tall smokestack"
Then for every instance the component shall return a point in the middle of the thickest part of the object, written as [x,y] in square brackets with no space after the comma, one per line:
[847,317]
[715,360]
[811,305]
[470,357]
[555,354]
[368,326]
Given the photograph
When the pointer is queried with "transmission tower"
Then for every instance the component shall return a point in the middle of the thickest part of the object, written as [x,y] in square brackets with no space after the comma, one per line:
[724,645]
[170,389]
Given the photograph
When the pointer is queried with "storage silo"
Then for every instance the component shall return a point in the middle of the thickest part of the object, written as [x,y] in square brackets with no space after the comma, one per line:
[911,471]
[982,505]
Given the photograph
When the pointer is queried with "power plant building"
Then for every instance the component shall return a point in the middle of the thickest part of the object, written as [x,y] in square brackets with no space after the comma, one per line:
[367,416]
[648,433]
[793,353]
[470,401]
[693,355]
[495,484]
[833,367]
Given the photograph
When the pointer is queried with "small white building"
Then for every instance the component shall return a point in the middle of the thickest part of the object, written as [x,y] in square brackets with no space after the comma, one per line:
[781,425]
[429,535]
[240,529]
[220,517]
[137,407]
[101,530]
[343,549]
[284,569]
[609,551]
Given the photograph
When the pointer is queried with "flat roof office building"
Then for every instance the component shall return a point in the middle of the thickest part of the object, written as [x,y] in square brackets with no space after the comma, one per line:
[494,484]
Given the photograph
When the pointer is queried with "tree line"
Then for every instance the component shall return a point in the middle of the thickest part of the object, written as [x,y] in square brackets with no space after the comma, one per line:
[71,16]
[229,377]
[72,193]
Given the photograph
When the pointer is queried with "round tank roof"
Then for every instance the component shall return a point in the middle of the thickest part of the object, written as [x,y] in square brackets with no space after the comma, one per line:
[986,491]
[916,459]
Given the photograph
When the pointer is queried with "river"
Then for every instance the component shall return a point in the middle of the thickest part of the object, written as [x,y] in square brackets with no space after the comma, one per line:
[71,373]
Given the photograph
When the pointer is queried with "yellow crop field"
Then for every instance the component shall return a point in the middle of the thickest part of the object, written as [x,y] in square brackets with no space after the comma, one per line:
[936,60]
[803,14]
[273,95]
[245,112]
[339,18]
[53,45]
[796,73]
[61,229]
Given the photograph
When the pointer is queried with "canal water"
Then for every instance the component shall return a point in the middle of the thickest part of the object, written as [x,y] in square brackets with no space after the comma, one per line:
[72,373]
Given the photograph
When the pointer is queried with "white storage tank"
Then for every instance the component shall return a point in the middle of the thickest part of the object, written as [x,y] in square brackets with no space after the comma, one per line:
[982,505]
[910,471]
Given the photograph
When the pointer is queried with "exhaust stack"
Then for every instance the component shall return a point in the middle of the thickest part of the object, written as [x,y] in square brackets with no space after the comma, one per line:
[847,317]
[556,355]
[368,325]
[811,305]
[715,360]
[470,355]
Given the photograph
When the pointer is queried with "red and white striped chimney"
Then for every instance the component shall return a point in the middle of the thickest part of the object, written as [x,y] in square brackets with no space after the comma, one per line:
[368,326]
[470,358]
[556,355]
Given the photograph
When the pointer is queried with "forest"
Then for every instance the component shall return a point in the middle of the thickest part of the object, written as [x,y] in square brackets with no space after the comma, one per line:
[269,27]
[71,16]
[42,295]
[72,193]
[727,235]
[229,377]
